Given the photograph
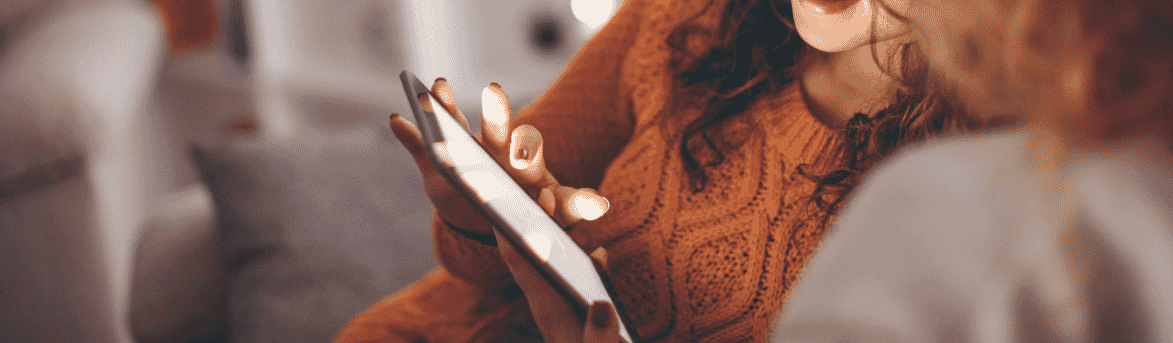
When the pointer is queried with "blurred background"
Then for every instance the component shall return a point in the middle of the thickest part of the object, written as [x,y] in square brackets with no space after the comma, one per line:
[222,170]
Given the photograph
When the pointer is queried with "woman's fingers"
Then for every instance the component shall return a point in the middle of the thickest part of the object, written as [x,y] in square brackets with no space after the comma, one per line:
[410,137]
[453,207]
[599,258]
[495,120]
[443,91]
[584,204]
[602,325]
[527,164]
[526,159]
[520,151]
[568,205]
[554,315]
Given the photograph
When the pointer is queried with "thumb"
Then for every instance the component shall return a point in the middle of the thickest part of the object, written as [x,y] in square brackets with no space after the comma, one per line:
[409,136]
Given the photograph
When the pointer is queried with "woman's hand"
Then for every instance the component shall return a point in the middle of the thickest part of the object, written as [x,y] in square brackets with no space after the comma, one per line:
[518,150]
[554,315]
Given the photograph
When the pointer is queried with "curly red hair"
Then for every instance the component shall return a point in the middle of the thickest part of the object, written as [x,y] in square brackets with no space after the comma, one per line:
[756,50]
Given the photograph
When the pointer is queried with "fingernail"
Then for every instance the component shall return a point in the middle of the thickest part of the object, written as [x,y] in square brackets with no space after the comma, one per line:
[601,314]
[517,162]
[495,85]
[441,79]
[526,152]
[494,115]
[394,115]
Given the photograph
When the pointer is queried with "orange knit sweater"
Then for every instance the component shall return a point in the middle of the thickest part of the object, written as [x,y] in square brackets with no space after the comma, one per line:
[711,266]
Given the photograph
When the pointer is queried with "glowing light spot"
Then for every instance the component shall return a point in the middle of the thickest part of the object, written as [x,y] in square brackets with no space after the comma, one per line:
[588,207]
[495,115]
[487,185]
[593,13]
[441,150]
[541,244]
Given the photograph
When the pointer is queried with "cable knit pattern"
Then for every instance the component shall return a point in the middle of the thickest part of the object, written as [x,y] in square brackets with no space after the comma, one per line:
[713,266]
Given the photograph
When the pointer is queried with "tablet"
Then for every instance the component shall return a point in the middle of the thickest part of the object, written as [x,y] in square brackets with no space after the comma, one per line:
[517,217]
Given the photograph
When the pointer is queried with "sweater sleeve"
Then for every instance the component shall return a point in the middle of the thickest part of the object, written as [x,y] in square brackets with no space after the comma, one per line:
[585,118]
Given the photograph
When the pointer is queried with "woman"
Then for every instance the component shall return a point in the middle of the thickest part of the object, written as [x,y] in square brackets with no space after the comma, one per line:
[1058,230]
[720,140]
